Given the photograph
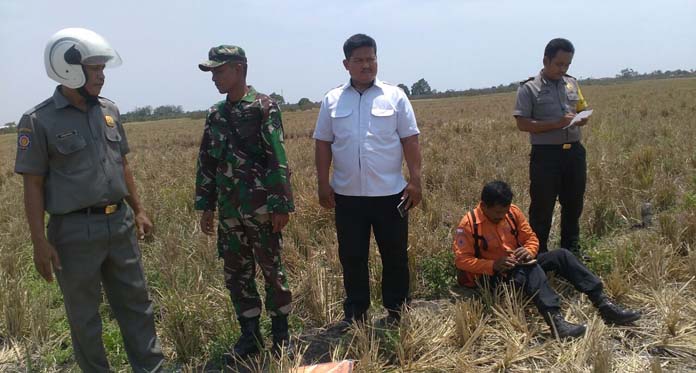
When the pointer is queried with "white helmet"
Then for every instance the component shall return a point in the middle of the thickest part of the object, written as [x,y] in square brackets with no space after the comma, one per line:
[68,49]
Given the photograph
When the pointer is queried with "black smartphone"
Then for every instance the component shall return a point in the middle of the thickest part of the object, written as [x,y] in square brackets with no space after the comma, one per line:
[401,207]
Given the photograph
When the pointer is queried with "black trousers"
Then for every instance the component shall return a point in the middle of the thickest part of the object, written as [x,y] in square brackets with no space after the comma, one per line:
[355,218]
[533,281]
[560,173]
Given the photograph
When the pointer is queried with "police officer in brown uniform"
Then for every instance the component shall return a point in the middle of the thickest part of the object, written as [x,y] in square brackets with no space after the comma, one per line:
[71,151]
[546,104]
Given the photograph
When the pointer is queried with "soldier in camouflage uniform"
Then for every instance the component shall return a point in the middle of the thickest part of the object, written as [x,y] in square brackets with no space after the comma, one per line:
[243,171]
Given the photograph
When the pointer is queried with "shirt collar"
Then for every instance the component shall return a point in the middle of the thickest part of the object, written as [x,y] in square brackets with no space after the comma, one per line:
[59,99]
[547,81]
[376,83]
[250,96]
[480,216]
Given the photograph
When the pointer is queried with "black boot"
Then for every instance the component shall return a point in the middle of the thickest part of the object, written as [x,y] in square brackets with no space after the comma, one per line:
[358,319]
[562,328]
[614,314]
[250,342]
[281,336]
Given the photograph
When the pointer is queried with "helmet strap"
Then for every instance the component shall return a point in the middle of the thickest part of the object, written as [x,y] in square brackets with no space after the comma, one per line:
[90,99]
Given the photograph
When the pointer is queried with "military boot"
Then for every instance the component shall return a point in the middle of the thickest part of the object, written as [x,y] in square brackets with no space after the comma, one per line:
[281,336]
[561,328]
[250,342]
[614,314]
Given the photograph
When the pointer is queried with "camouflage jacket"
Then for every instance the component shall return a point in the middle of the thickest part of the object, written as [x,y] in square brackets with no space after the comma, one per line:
[242,165]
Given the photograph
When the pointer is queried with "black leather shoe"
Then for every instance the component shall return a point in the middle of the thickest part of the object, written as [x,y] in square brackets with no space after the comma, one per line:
[561,328]
[614,314]
[345,324]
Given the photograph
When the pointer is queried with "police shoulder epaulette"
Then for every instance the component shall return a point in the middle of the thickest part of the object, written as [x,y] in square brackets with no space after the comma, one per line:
[109,100]
[570,76]
[529,79]
[39,106]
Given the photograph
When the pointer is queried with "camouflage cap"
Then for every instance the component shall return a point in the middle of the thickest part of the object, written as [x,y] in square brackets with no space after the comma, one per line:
[221,55]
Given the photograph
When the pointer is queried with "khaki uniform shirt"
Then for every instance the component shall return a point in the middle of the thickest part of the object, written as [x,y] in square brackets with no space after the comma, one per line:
[79,154]
[542,99]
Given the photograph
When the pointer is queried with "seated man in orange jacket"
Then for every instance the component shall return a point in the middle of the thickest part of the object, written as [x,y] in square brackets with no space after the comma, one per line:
[495,239]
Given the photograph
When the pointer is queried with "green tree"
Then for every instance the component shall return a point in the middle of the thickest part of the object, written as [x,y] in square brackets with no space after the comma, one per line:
[280,100]
[627,73]
[304,103]
[421,88]
[405,89]
[10,127]
[166,111]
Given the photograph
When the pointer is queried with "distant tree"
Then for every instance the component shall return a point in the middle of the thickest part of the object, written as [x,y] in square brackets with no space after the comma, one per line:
[627,73]
[280,100]
[405,88]
[304,103]
[10,127]
[141,112]
[166,111]
[420,88]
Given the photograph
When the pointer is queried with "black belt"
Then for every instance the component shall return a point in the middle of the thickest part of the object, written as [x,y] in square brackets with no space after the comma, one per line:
[565,146]
[103,210]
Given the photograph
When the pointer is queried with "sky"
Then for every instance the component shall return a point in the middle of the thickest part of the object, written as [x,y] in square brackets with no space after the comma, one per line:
[295,47]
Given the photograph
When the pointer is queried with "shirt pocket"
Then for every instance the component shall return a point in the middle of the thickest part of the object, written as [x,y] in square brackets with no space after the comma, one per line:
[546,99]
[71,153]
[113,144]
[248,138]
[573,98]
[342,123]
[383,120]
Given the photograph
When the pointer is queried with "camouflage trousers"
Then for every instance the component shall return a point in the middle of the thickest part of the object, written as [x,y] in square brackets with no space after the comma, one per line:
[243,243]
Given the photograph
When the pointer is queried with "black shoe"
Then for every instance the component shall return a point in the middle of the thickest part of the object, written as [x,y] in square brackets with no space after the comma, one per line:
[614,314]
[358,319]
[581,255]
[249,343]
[391,321]
[281,337]
[561,328]
[388,323]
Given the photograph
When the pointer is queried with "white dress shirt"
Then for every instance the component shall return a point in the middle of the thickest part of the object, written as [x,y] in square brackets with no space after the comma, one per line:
[365,131]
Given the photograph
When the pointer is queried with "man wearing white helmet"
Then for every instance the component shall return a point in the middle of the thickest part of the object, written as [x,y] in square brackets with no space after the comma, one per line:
[71,151]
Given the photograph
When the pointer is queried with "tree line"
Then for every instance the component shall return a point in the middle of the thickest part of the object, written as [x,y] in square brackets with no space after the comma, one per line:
[419,90]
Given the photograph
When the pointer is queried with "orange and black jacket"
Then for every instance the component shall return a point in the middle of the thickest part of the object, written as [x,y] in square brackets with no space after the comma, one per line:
[494,240]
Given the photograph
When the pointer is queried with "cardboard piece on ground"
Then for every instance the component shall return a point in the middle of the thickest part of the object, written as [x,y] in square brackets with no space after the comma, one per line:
[345,366]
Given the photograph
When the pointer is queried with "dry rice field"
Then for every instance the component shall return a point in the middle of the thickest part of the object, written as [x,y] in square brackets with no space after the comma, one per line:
[641,148]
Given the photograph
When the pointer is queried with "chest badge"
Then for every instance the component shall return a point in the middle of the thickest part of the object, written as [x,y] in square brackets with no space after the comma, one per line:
[569,86]
[110,122]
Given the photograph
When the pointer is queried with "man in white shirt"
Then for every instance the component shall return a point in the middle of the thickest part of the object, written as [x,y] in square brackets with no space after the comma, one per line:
[365,126]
